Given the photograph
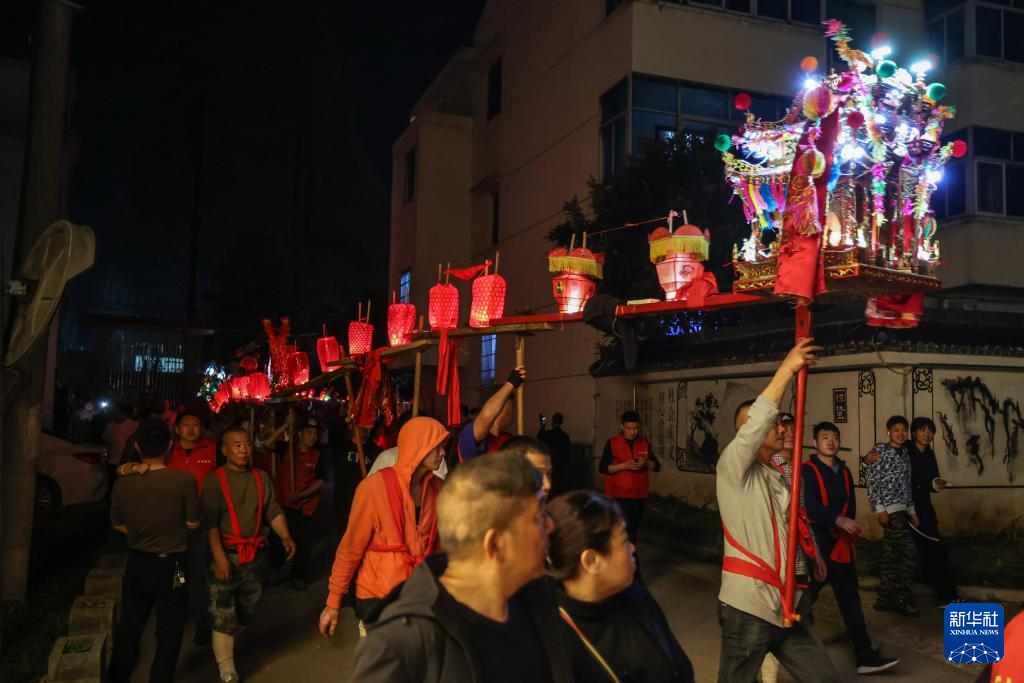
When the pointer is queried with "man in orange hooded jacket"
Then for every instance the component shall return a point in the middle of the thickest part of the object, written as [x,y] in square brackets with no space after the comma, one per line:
[392,526]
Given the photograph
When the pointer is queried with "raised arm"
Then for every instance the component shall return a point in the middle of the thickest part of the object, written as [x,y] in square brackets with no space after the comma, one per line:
[492,409]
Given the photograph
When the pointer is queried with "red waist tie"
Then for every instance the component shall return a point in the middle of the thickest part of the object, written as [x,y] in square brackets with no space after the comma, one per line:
[755,567]
[245,545]
[397,506]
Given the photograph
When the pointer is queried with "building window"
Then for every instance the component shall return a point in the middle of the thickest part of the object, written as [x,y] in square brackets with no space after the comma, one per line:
[159,364]
[614,107]
[996,160]
[950,198]
[946,36]
[409,185]
[405,287]
[999,32]
[495,217]
[488,347]
[494,90]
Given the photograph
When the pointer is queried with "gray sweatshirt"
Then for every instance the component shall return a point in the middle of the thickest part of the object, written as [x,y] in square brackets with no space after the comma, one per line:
[746,488]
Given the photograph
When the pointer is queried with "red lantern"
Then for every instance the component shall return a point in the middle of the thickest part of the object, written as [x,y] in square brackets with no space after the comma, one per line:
[401,322]
[488,300]
[327,351]
[360,337]
[443,309]
[249,363]
[572,292]
[298,367]
[677,257]
[576,271]
[259,387]
[223,394]
[235,388]
[242,383]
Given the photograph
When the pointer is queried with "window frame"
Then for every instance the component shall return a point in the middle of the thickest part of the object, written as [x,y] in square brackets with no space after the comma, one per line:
[405,286]
[943,18]
[1002,9]
[488,354]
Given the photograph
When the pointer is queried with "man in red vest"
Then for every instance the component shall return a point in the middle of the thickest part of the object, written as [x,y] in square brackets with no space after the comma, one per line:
[625,464]
[193,454]
[832,508]
[301,501]
[237,503]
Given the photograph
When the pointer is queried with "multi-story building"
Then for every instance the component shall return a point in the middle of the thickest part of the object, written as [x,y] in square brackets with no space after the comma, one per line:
[550,94]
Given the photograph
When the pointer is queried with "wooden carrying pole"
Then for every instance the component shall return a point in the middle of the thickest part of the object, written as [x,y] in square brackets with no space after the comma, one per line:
[417,380]
[520,362]
[789,615]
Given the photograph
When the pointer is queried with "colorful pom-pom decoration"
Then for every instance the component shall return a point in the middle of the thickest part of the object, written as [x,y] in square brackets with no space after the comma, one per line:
[812,163]
[936,91]
[855,120]
[809,64]
[723,142]
[959,149]
[818,103]
[742,101]
[886,68]
[879,39]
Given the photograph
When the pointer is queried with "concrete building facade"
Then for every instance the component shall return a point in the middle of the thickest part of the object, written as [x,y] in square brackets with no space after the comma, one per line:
[551,94]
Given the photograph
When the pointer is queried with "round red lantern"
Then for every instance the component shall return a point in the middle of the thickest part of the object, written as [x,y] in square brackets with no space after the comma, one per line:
[249,363]
[443,309]
[259,387]
[298,367]
[360,337]
[488,300]
[677,257]
[401,323]
[327,351]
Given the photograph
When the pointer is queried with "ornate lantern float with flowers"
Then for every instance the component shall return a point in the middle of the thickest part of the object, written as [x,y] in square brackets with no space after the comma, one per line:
[576,274]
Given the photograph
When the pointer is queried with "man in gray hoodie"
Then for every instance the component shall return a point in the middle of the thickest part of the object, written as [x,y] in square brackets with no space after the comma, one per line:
[753,499]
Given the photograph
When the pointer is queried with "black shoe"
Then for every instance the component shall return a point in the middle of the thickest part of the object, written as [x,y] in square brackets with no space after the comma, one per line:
[902,606]
[297,584]
[875,662]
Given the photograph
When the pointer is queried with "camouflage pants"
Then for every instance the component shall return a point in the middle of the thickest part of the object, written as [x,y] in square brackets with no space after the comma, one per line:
[233,602]
[899,560]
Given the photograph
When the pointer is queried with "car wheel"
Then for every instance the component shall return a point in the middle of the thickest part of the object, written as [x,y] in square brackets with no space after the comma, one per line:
[48,499]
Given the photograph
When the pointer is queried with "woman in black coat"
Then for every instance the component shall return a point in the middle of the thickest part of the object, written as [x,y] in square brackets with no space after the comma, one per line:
[619,632]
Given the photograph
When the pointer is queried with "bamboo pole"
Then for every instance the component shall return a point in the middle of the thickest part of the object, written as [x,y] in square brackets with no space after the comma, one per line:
[355,428]
[417,380]
[520,361]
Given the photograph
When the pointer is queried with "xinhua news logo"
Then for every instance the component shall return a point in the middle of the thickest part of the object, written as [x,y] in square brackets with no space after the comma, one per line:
[974,633]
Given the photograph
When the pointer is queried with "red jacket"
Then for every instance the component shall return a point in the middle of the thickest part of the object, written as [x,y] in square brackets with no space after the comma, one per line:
[201,461]
[627,483]
[308,469]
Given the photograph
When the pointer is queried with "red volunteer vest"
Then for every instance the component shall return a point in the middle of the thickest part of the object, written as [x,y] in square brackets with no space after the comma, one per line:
[842,552]
[394,493]
[627,483]
[245,545]
[199,463]
[305,475]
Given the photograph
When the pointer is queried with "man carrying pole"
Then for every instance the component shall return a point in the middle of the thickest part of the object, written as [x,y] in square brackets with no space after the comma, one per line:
[486,433]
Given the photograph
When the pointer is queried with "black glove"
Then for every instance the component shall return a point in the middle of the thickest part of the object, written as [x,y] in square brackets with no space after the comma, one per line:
[515,379]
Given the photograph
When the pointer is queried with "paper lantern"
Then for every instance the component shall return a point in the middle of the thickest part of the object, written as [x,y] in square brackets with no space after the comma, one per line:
[959,149]
[677,257]
[327,351]
[249,363]
[575,273]
[809,64]
[488,300]
[223,394]
[360,337]
[443,309]
[235,388]
[259,387]
[818,103]
[298,367]
[572,292]
[401,322]
[242,383]
[742,101]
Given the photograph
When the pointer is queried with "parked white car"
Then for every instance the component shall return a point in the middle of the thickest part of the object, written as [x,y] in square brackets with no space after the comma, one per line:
[69,473]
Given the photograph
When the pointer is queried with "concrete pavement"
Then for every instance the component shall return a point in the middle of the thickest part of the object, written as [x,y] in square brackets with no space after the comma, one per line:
[283,644]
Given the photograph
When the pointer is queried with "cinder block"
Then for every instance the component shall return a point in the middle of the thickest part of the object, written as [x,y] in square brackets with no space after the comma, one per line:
[112,561]
[93,614]
[103,582]
[81,659]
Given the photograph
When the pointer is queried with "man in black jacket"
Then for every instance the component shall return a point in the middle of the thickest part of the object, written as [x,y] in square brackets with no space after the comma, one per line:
[477,614]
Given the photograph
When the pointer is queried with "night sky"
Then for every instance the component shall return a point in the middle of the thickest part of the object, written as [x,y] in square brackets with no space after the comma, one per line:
[267,125]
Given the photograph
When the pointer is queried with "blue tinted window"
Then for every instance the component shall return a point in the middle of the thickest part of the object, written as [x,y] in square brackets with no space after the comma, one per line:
[1015,190]
[405,286]
[990,187]
[990,142]
[488,346]
[613,102]
[707,102]
[764,107]
[649,93]
[1013,36]
[647,124]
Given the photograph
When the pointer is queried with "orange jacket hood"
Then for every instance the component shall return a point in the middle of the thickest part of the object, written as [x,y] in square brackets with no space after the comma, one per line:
[418,437]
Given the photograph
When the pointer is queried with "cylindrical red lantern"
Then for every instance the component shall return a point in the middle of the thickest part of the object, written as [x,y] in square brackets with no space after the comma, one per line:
[488,300]
[401,322]
[235,388]
[259,387]
[298,367]
[443,309]
[242,383]
[327,351]
[360,337]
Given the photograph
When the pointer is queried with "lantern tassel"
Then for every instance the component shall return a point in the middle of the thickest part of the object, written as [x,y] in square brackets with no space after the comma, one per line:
[687,244]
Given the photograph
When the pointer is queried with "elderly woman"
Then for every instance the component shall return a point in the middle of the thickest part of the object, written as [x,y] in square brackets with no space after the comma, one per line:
[620,633]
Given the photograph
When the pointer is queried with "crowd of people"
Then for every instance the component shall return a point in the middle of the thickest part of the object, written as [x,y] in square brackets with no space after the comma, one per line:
[452,558]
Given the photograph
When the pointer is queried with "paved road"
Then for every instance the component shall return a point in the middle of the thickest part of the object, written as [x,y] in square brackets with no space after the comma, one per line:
[283,645]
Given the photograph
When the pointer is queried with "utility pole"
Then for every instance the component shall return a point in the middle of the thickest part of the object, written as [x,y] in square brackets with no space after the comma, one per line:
[40,206]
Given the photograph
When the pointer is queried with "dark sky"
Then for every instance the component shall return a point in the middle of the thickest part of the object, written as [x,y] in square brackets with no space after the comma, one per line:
[268,125]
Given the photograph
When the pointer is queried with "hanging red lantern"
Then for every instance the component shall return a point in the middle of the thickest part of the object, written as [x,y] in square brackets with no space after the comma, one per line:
[298,367]
[235,388]
[327,351]
[488,300]
[249,363]
[576,269]
[259,387]
[360,337]
[443,309]
[677,257]
[401,323]
[222,396]
[242,382]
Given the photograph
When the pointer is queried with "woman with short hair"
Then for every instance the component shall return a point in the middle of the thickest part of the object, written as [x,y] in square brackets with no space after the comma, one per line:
[619,630]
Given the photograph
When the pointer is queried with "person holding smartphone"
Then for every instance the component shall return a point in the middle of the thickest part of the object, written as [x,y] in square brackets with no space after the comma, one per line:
[625,464]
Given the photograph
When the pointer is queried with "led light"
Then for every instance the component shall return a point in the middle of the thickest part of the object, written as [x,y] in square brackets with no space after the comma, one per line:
[934,177]
[881,52]
[879,119]
[851,152]
[921,68]
[810,83]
